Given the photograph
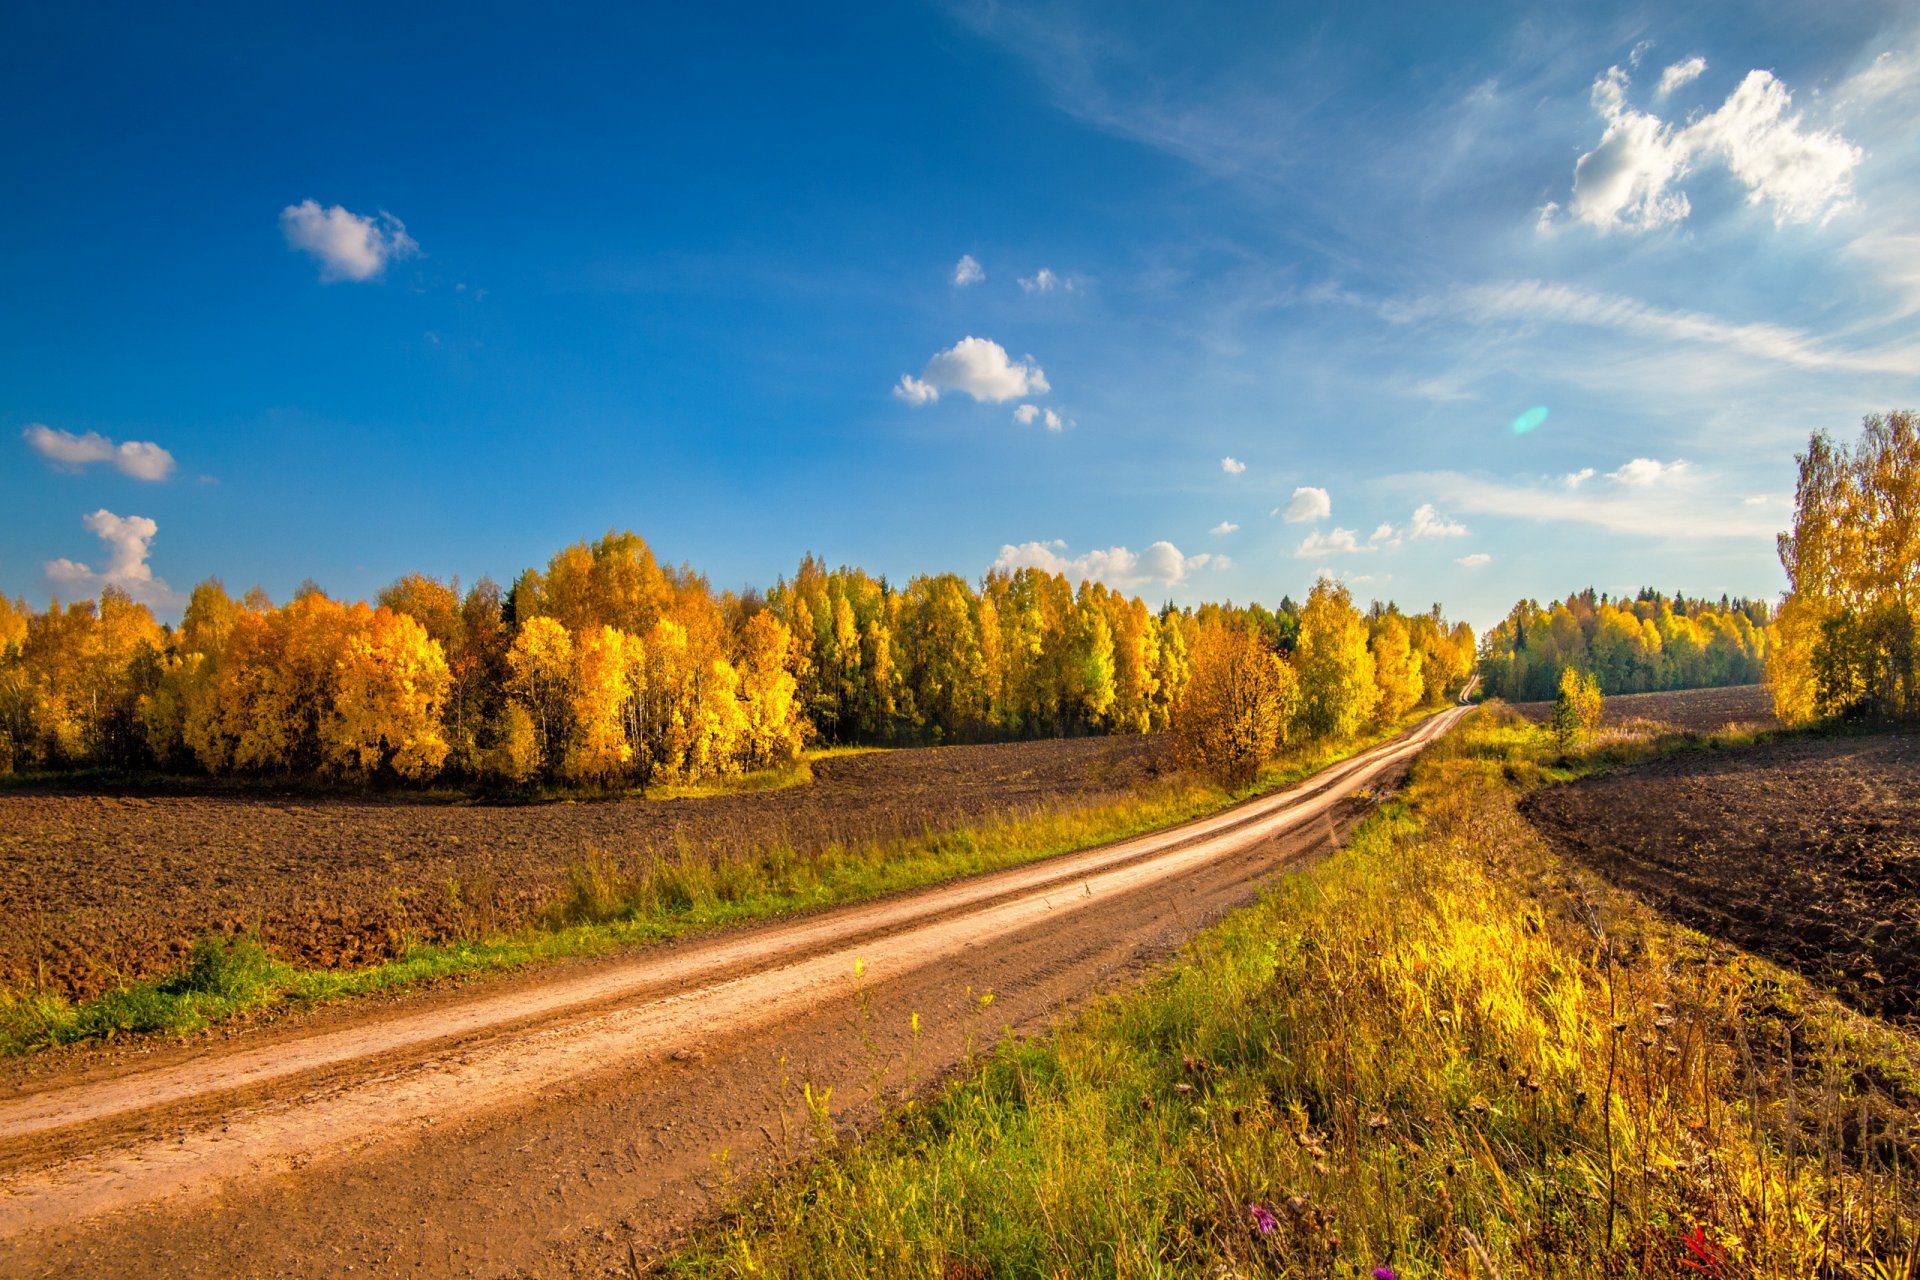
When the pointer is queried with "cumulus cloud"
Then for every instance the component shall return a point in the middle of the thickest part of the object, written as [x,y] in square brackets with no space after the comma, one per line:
[1574,479]
[978,367]
[1627,182]
[1053,420]
[1043,281]
[1646,471]
[1679,75]
[347,245]
[1161,564]
[1805,174]
[1308,503]
[1026,414]
[1224,528]
[141,459]
[1475,560]
[1330,543]
[967,271]
[1232,466]
[914,391]
[1429,523]
[128,541]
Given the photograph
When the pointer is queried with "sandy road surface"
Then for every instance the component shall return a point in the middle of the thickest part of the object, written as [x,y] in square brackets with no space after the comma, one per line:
[537,1127]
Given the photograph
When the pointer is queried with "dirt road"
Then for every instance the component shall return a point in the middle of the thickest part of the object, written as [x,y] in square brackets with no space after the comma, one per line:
[538,1126]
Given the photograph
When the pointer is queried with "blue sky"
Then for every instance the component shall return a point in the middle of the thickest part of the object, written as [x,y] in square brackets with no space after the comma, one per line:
[1255,292]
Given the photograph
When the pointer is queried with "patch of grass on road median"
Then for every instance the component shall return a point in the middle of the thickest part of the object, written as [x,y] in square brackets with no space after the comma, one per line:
[611,904]
[1442,1052]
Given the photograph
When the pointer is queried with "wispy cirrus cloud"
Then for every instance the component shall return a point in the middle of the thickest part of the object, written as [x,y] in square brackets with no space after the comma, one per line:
[1644,497]
[1544,302]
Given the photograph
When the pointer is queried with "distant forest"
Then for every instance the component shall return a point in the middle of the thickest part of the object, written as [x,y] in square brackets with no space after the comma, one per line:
[1650,642]
[609,668]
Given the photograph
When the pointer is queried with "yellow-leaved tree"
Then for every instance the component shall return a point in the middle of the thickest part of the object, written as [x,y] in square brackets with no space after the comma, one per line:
[1847,638]
[607,664]
[1234,712]
[1338,693]
[1398,668]
[391,686]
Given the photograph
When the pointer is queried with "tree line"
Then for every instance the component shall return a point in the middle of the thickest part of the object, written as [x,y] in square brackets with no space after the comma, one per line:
[1845,637]
[609,668]
[1648,643]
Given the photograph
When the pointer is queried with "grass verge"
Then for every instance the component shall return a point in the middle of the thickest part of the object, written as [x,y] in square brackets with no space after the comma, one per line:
[1442,1052]
[611,904]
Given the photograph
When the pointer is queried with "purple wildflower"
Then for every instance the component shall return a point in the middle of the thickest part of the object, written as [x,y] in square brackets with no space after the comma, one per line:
[1385,1273]
[1263,1219]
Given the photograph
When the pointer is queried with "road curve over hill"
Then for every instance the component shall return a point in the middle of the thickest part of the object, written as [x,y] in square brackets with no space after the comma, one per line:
[542,1124]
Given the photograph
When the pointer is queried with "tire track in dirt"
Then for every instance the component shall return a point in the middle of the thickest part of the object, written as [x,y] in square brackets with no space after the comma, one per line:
[108,1163]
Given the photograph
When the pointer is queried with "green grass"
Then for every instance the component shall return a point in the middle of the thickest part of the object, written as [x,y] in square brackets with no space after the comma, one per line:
[611,905]
[1442,1051]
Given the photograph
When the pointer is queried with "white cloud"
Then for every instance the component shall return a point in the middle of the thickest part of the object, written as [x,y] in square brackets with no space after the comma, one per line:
[1331,543]
[1224,528]
[1383,532]
[1043,281]
[914,391]
[129,541]
[1026,414]
[1428,523]
[1161,564]
[1623,181]
[1645,471]
[1893,74]
[1574,479]
[1684,509]
[1475,560]
[1627,182]
[1053,420]
[967,271]
[141,459]
[1308,503]
[977,366]
[1806,175]
[348,246]
[1679,75]
[1534,300]
[1232,466]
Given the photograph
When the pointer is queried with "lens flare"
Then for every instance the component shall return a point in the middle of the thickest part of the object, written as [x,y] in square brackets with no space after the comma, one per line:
[1530,419]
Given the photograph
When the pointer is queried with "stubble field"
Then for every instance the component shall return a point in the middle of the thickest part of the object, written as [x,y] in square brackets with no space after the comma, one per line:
[98,889]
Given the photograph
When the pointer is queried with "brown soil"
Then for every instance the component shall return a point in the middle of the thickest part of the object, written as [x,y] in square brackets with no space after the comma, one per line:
[546,1124]
[99,888]
[1689,710]
[1805,851]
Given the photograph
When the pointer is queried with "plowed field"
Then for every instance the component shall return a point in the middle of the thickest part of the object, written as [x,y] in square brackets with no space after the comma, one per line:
[1694,710]
[96,888]
[1805,851]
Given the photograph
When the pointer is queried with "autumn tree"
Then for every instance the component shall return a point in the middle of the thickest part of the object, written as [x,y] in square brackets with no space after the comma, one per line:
[1338,692]
[1236,707]
[1577,708]
[1847,639]
[1399,669]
